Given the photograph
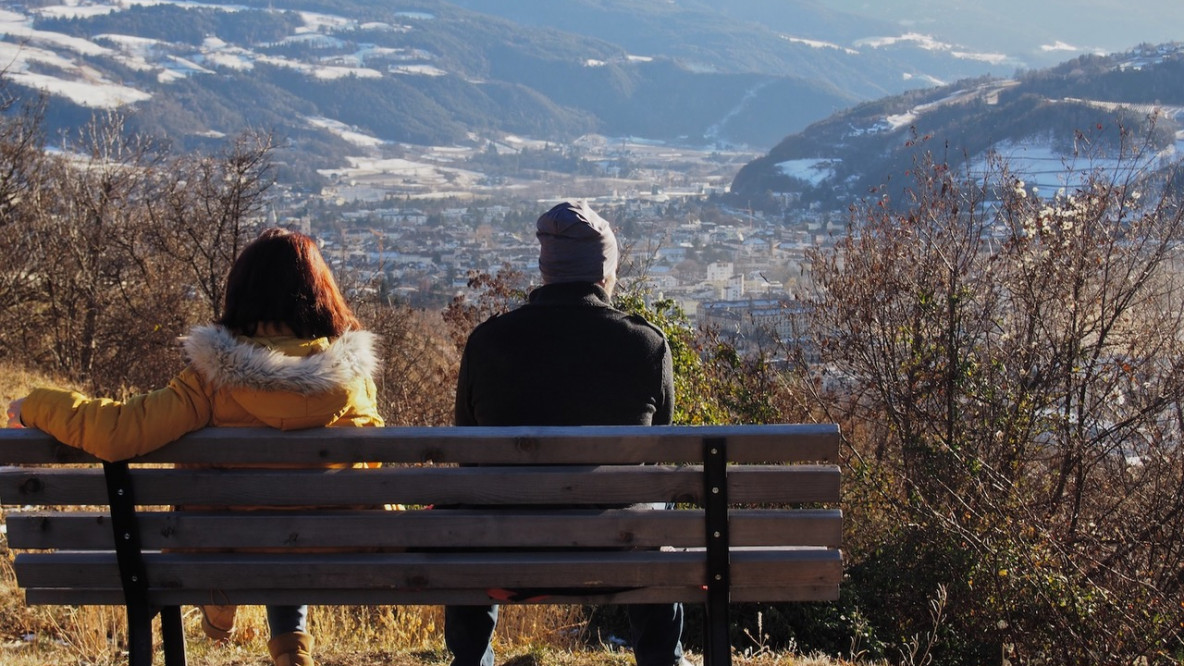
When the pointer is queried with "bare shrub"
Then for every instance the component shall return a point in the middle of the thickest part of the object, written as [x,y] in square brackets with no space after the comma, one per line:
[100,276]
[205,209]
[83,240]
[420,365]
[1008,372]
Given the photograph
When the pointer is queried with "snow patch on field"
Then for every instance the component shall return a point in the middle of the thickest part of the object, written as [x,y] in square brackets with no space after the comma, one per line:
[930,43]
[346,132]
[817,44]
[812,170]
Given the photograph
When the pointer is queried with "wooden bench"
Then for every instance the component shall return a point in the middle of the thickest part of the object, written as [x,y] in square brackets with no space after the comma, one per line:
[758,522]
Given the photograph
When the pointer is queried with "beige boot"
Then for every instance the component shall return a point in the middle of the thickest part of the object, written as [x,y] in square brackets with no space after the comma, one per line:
[218,621]
[291,649]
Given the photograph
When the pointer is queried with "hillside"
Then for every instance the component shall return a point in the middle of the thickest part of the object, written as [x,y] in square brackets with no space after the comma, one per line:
[338,78]
[798,39]
[1042,122]
[334,75]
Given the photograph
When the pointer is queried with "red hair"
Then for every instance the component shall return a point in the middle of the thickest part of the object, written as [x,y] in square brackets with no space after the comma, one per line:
[281,278]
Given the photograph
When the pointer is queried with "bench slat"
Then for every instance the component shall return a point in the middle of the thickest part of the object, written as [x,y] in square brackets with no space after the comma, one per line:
[520,445]
[690,594]
[422,529]
[424,571]
[607,484]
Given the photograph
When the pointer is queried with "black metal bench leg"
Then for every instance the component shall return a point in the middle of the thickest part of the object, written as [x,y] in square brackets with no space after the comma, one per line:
[173,635]
[132,575]
[139,635]
[717,644]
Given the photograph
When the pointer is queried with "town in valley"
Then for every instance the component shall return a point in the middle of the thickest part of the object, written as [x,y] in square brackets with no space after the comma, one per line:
[417,222]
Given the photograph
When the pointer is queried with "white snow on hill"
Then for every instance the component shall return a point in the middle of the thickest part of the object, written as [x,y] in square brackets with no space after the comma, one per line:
[816,44]
[812,171]
[346,132]
[57,64]
[929,43]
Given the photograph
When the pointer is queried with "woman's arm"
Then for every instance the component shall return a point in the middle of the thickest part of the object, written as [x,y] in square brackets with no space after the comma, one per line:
[114,430]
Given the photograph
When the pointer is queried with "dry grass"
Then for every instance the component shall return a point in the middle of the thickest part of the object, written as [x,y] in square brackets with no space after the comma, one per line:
[346,636]
[17,382]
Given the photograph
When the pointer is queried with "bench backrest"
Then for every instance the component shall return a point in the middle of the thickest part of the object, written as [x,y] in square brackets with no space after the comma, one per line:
[768,492]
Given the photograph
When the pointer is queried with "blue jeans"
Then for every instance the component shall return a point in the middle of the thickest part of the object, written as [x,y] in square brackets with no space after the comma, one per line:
[656,632]
[286,619]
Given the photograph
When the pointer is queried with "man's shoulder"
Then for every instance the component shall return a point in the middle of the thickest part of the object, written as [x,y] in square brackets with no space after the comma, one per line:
[492,322]
[643,324]
[536,317]
[502,321]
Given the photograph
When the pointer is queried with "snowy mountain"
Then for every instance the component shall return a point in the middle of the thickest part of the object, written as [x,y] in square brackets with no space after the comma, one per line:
[334,77]
[1044,123]
[328,76]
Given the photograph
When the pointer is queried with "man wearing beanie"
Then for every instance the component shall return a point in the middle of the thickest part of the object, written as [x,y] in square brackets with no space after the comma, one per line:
[567,357]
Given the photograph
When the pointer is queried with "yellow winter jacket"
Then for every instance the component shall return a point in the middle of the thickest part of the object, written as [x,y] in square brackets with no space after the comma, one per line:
[281,382]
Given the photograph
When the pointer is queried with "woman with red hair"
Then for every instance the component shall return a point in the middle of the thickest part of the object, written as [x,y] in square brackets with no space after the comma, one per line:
[287,353]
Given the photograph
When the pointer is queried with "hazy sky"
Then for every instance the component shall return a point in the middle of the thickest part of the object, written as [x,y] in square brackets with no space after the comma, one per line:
[1028,26]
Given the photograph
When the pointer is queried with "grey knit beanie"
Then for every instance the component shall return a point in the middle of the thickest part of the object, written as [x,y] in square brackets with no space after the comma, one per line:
[575,244]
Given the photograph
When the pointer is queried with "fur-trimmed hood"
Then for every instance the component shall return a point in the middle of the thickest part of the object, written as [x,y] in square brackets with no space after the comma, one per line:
[229,361]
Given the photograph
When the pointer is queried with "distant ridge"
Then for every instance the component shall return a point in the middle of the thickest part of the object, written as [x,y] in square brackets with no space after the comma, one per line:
[1042,122]
[432,72]
[339,78]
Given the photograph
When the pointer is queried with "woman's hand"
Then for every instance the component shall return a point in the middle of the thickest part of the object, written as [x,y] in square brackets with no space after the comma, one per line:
[14,413]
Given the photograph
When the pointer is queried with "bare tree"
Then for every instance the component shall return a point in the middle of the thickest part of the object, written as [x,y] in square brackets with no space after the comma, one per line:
[1008,369]
[80,237]
[112,249]
[208,207]
[23,190]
